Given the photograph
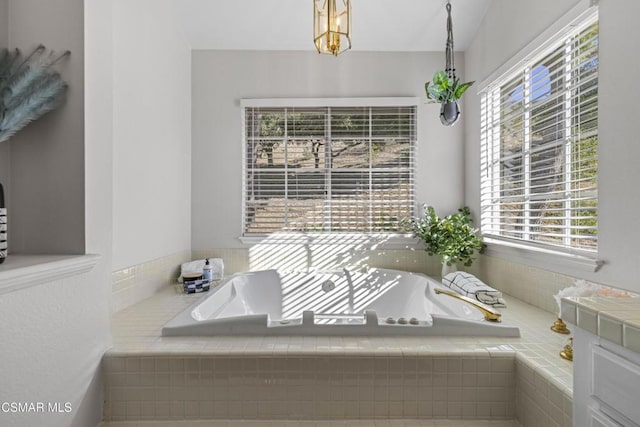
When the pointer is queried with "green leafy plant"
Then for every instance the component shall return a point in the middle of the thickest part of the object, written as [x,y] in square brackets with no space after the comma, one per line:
[445,89]
[452,237]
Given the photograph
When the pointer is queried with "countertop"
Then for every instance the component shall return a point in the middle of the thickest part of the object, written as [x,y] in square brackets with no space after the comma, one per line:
[616,319]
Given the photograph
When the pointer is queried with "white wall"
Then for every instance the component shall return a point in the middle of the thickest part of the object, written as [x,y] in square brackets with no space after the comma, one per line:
[152,133]
[53,338]
[508,26]
[619,149]
[46,210]
[54,335]
[222,78]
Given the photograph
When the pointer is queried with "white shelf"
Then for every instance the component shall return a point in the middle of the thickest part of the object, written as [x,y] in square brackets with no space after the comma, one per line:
[23,271]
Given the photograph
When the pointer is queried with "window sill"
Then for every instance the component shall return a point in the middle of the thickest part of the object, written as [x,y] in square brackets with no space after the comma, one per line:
[23,271]
[361,241]
[542,258]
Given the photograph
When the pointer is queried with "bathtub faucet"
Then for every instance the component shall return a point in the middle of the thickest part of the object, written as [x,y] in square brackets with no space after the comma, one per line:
[489,314]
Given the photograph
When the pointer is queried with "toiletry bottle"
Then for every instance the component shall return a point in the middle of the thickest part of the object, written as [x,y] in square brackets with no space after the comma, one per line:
[207,271]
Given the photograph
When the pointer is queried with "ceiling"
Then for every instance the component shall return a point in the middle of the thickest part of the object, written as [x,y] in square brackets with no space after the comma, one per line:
[377,25]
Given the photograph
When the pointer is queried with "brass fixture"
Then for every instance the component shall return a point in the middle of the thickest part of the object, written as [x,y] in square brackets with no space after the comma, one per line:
[489,313]
[567,350]
[332,26]
[560,327]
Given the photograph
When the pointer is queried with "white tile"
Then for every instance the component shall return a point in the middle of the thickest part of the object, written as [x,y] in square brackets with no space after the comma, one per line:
[631,338]
[588,319]
[610,328]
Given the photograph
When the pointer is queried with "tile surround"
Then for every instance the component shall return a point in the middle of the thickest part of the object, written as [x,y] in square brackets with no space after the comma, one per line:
[144,380]
[133,284]
[616,319]
[588,319]
[610,328]
[529,284]
[340,256]
[314,388]
[541,401]
[153,377]
[631,335]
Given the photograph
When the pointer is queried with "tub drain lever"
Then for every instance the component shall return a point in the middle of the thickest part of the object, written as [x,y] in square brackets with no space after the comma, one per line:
[328,285]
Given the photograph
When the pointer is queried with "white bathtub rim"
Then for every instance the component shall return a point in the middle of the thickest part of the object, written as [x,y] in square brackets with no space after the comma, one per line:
[184,323]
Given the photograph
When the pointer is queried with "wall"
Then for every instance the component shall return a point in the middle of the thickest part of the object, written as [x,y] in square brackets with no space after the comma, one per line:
[54,335]
[53,338]
[522,21]
[152,133]
[132,284]
[321,256]
[222,78]
[46,208]
[617,158]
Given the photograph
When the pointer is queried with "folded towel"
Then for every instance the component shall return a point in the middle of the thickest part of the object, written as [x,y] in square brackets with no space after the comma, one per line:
[217,268]
[469,285]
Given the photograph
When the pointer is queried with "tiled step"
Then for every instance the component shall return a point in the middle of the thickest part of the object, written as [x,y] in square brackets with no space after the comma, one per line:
[472,386]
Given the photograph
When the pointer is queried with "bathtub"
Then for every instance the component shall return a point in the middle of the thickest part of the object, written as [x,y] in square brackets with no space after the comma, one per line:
[341,302]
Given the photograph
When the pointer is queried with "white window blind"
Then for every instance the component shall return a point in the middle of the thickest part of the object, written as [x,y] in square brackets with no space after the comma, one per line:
[328,169]
[539,143]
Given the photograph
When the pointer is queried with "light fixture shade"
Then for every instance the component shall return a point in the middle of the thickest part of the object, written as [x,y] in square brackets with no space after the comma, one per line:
[332,25]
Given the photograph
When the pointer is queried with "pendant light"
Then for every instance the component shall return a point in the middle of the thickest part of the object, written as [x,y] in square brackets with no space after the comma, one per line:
[332,26]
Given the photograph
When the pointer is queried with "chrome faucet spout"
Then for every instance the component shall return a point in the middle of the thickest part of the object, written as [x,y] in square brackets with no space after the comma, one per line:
[489,313]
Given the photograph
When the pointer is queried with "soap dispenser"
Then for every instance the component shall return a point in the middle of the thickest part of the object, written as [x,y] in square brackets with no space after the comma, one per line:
[207,271]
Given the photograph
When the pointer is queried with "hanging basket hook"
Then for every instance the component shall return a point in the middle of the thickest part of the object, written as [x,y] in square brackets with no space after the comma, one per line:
[449,66]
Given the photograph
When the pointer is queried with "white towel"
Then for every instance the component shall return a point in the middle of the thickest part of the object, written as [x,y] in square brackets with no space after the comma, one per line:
[217,268]
[469,285]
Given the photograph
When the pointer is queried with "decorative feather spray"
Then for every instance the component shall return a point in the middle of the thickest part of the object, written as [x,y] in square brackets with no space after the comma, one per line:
[7,60]
[28,88]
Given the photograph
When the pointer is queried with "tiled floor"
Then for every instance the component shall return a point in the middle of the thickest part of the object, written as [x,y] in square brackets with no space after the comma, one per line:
[281,423]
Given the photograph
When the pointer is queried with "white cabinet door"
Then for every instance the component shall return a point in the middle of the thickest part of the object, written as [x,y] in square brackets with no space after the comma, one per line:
[616,382]
[600,420]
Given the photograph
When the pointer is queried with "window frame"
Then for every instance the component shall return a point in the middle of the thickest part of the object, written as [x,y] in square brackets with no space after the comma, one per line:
[388,240]
[529,252]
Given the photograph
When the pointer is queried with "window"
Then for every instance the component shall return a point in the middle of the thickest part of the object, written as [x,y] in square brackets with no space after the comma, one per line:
[328,165]
[539,143]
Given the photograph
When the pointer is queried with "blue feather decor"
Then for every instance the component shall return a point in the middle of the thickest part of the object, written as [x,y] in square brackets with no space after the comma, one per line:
[29,88]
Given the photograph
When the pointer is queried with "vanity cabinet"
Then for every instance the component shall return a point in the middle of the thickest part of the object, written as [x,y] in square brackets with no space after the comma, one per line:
[606,384]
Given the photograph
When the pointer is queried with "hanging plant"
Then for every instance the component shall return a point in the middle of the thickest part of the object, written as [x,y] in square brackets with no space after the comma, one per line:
[446,88]
[28,88]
